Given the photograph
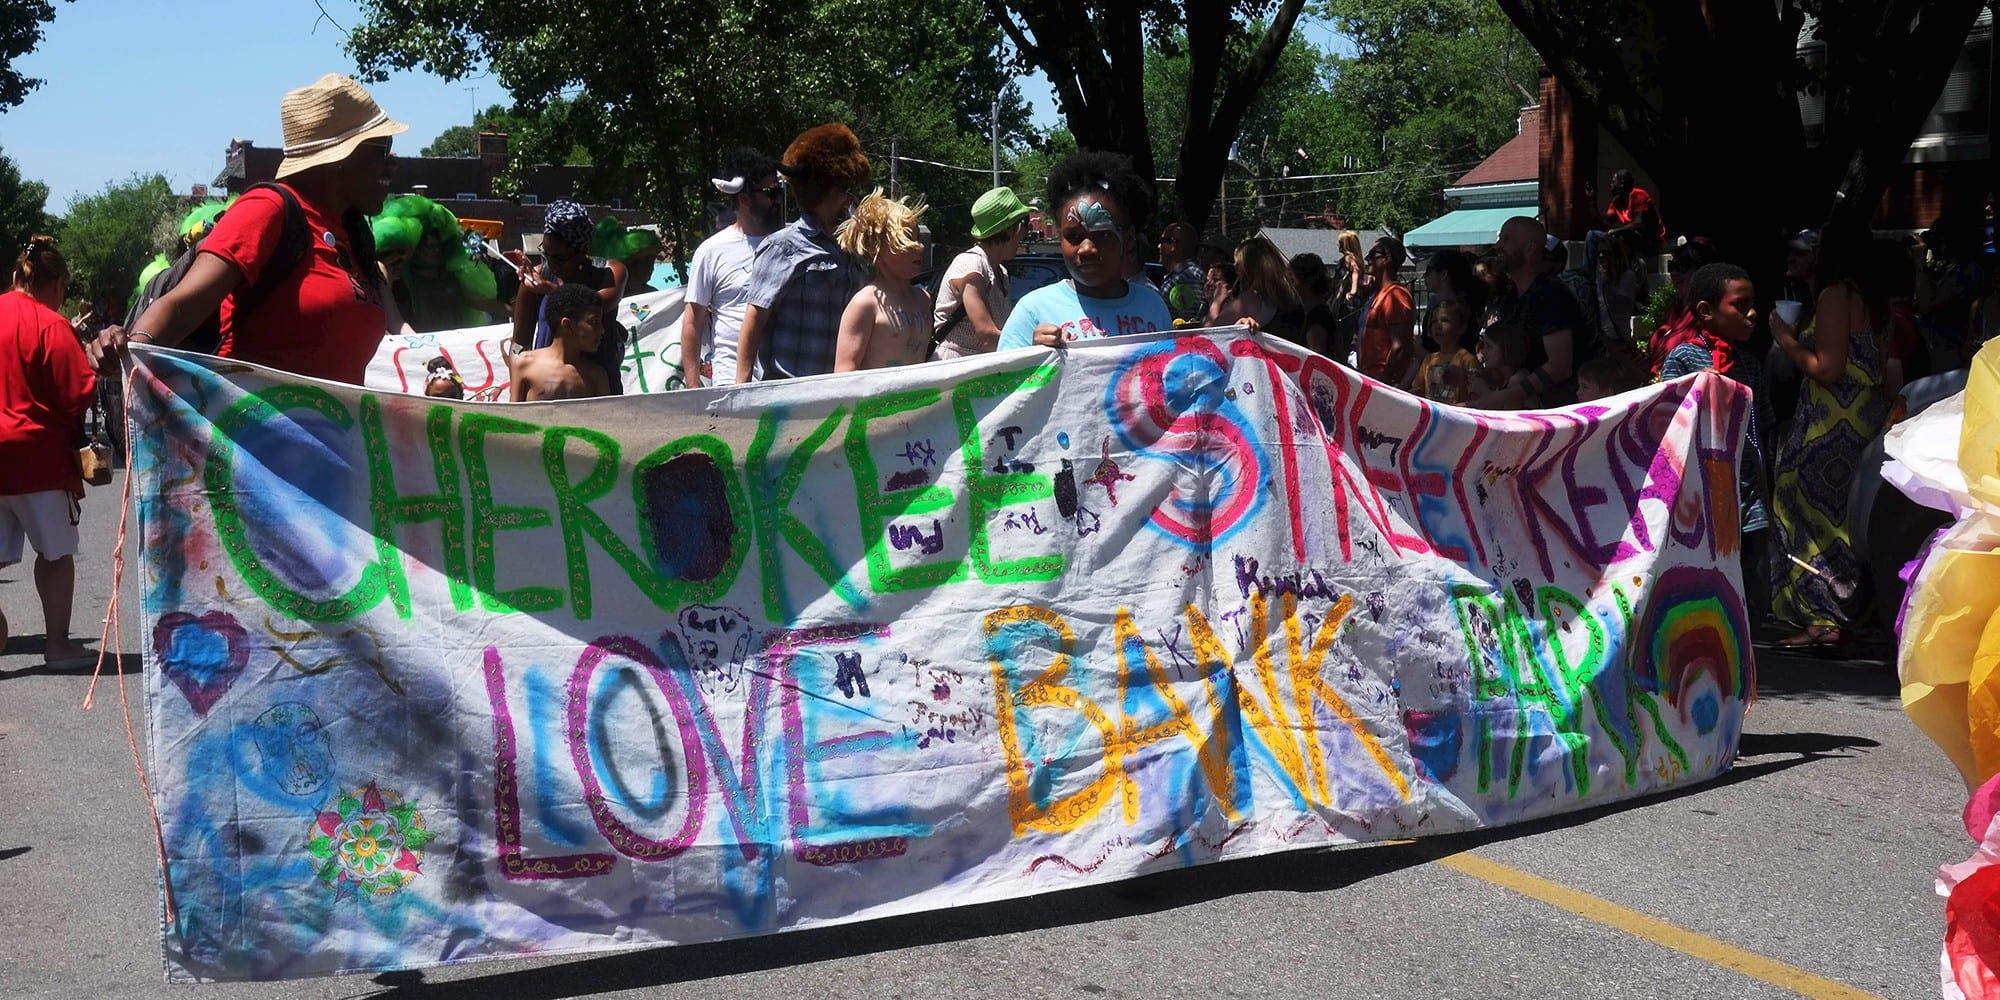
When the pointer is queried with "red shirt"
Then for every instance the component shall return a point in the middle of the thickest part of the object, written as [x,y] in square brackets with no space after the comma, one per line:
[1633,205]
[45,388]
[323,320]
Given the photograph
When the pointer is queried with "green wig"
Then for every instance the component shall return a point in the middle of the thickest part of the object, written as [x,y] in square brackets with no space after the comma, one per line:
[612,241]
[201,218]
[407,219]
[147,274]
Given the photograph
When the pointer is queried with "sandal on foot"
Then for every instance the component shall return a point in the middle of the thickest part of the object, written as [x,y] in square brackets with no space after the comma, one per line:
[1813,638]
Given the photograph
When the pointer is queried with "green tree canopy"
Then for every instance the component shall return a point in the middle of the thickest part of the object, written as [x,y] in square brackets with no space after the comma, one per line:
[109,236]
[20,31]
[23,208]
[1094,55]
[1432,88]
[658,92]
[531,138]
[460,141]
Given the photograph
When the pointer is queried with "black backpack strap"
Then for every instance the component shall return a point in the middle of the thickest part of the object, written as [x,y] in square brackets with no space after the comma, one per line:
[361,237]
[294,239]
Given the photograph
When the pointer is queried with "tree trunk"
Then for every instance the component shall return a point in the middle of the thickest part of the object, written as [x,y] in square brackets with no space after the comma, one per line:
[1094,58]
[1212,124]
[1094,55]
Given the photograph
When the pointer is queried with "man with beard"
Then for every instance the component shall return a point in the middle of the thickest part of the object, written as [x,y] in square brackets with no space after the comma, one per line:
[1537,301]
[718,287]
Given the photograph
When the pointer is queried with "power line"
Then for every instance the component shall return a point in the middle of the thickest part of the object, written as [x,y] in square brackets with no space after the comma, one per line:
[1413,170]
[1405,172]
[948,166]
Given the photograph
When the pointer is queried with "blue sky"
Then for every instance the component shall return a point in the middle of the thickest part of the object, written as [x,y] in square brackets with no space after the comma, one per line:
[136,86]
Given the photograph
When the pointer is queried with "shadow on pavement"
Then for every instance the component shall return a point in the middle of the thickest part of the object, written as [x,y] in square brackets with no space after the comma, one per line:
[1457,843]
[13,852]
[1804,744]
[1304,871]
[1298,871]
[130,663]
[1811,678]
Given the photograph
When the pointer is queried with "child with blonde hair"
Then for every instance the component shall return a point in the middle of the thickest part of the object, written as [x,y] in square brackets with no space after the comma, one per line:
[888,322]
[1448,374]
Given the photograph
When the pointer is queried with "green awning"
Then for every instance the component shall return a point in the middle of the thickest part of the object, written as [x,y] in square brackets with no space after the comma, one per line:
[1463,227]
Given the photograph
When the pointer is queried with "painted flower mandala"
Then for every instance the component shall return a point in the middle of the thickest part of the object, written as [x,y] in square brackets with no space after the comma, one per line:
[367,843]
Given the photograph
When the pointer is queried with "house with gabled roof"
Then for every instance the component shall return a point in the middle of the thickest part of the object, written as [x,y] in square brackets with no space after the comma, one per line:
[1505,184]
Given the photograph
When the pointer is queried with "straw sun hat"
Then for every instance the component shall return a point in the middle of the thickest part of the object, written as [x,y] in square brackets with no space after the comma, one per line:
[325,122]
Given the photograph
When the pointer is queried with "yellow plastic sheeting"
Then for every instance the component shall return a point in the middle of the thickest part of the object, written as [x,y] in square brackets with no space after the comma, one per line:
[1951,635]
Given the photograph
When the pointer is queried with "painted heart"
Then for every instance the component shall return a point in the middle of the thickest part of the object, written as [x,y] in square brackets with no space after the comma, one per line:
[202,655]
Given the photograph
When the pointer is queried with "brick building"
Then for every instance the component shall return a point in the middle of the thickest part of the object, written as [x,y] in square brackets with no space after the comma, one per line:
[464,184]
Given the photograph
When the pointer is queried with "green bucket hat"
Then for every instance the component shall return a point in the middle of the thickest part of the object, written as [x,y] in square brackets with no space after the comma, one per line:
[996,210]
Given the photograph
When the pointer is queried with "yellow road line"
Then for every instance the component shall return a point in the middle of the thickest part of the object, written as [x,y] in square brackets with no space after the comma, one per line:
[1657,931]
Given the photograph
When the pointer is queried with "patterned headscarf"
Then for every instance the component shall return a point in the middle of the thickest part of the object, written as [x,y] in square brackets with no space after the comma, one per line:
[568,222]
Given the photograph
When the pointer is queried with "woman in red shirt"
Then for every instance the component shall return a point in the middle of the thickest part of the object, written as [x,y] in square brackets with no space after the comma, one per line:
[45,388]
[327,313]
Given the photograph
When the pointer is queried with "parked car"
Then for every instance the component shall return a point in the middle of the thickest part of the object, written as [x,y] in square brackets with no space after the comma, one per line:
[1029,272]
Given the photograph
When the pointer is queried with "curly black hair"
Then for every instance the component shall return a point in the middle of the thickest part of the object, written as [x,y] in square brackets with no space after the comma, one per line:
[749,164]
[570,301]
[1098,172]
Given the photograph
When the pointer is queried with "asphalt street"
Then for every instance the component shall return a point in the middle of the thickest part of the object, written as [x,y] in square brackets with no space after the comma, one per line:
[1807,870]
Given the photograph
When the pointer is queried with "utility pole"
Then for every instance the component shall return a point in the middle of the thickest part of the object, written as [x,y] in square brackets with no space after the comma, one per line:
[894,191]
[996,140]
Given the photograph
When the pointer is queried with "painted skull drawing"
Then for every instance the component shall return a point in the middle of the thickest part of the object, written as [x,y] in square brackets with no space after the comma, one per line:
[298,754]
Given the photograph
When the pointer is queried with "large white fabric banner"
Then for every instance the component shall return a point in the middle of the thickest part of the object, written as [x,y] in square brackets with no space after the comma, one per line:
[435,681]
[652,361]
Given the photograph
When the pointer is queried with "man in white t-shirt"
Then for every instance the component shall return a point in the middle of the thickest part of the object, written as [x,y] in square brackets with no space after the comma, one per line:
[718,286]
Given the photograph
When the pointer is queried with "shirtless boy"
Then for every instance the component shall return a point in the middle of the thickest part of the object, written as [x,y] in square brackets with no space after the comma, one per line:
[564,369]
[888,322]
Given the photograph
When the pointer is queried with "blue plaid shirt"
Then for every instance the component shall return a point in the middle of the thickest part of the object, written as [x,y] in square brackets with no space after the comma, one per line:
[803,281]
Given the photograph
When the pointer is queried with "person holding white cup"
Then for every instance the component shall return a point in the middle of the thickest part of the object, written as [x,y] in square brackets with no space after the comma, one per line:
[1817,573]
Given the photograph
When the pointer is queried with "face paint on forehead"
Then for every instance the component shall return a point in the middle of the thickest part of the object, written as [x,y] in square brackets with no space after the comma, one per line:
[1091,214]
